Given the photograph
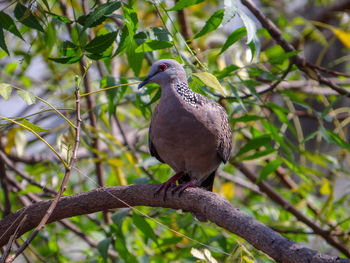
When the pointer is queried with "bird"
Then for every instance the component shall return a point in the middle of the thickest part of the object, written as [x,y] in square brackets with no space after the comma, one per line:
[188,131]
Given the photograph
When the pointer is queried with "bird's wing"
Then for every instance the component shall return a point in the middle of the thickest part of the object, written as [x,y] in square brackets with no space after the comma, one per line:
[151,147]
[225,139]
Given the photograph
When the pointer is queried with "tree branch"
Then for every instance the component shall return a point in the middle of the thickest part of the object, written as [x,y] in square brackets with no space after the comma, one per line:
[215,207]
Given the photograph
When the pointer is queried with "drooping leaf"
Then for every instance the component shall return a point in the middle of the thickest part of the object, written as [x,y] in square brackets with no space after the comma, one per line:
[131,20]
[101,43]
[124,40]
[249,25]
[2,41]
[99,14]
[143,225]
[119,216]
[212,23]
[268,169]
[150,45]
[211,81]
[32,126]
[5,90]
[102,247]
[27,96]
[135,59]
[183,4]
[25,17]
[8,24]
[230,10]
[233,38]
[67,60]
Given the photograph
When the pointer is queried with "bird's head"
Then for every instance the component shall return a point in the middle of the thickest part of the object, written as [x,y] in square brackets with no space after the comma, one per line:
[163,72]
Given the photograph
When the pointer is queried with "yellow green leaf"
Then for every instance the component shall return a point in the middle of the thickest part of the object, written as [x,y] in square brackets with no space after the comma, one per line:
[228,190]
[5,90]
[211,81]
[343,36]
[325,187]
[27,96]
[10,140]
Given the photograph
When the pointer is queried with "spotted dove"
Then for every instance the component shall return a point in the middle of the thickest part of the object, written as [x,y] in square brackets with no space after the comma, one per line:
[188,131]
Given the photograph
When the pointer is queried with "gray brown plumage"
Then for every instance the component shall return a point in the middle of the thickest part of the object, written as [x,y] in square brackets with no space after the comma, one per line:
[188,131]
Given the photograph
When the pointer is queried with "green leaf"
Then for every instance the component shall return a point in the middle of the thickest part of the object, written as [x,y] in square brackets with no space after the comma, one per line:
[226,71]
[101,43]
[8,24]
[27,96]
[150,45]
[99,14]
[135,59]
[258,154]
[67,60]
[249,25]
[68,49]
[64,19]
[233,38]
[34,127]
[143,225]
[124,40]
[212,23]
[210,80]
[268,169]
[248,118]
[183,4]
[5,90]
[25,17]
[333,138]
[2,41]
[119,216]
[255,144]
[131,20]
[102,247]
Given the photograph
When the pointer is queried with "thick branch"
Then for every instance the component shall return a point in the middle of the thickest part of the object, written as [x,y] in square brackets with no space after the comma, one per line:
[216,208]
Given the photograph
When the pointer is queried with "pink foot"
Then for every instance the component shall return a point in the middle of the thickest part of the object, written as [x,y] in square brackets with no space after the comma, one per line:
[182,187]
[165,186]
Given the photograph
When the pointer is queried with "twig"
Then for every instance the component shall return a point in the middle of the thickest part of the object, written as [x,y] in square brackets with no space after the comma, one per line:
[276,197]
[3,182]
[53,204]
[215,207]
[276,34]
[12,239]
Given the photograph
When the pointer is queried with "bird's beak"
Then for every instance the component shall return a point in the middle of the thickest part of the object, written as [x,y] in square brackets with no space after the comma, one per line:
[145,81]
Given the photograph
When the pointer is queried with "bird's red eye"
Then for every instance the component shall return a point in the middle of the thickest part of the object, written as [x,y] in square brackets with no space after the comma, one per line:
[162,67]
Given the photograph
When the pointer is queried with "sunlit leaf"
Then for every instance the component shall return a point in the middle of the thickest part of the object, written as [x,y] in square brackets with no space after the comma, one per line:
[333,138]
[5,90]
[325,188]
[343,36]
[27,96]
[211,24]
[230,10]
[211,81]
[255,143]
[228,190]
[183,4]
[249,25]
[32,126]
[64,19]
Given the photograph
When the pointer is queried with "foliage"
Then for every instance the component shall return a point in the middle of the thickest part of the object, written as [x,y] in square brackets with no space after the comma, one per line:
[295,138]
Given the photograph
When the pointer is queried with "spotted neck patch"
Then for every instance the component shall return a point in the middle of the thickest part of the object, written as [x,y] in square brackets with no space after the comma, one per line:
[187,94]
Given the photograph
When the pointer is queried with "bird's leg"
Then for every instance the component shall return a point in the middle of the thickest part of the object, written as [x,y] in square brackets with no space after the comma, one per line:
[182,187]
[165,186]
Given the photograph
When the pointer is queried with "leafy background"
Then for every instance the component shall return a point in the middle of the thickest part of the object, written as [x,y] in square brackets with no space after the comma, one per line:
[295,138]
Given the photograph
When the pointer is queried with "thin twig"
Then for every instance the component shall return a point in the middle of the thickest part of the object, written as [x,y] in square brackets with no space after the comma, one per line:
[62,187]
[276,197]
